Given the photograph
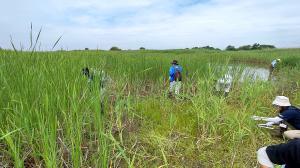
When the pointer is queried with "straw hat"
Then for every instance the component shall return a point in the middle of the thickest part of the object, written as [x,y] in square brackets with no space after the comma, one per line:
[281,101]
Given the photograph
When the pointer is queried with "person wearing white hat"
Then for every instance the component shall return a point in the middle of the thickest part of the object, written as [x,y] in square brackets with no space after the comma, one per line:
[272,66]
[287,113]
[274,62]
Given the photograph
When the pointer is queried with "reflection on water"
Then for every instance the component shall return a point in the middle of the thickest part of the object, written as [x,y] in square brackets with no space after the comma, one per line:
[249,73]
[255,73]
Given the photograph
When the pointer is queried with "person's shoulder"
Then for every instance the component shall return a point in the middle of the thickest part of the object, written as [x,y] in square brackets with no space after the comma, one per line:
[289,152]
[293,144]
[293,109]
[295,141]
[289,112]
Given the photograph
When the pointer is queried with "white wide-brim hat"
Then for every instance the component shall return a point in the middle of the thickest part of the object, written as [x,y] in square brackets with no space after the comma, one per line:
[281,101]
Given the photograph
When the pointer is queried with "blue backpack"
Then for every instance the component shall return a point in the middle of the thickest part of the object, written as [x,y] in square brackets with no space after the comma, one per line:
[178,76]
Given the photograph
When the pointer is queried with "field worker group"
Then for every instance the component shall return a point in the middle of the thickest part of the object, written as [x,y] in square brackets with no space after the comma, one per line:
[286,154]
[175,78]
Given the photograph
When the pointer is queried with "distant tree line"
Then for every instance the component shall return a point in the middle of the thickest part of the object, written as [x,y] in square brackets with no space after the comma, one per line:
[114,48]
[255,46]
[205,47]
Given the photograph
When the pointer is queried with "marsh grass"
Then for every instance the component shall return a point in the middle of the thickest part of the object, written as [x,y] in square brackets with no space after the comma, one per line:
[51,113]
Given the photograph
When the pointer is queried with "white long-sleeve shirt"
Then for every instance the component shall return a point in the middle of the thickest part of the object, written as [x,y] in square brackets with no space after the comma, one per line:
[275,120]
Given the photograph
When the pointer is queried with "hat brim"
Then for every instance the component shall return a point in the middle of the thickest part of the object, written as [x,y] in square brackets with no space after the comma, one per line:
[282,104]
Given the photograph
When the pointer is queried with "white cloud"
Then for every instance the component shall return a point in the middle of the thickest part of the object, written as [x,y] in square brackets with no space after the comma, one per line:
[153,23]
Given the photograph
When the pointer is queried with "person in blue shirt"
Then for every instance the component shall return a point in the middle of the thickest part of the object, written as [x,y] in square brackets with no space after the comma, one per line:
[288,114]
[175,77]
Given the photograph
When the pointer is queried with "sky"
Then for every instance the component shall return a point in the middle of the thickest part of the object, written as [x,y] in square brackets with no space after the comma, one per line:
[153,24]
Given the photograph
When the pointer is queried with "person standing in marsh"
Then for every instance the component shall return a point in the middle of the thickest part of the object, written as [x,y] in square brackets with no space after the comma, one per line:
[272,67]
[224,84]
[175,77]
[86,72]
[273,64]
[98,79]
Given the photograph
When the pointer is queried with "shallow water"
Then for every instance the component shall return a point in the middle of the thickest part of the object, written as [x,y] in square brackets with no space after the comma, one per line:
[255,73]
[251,73]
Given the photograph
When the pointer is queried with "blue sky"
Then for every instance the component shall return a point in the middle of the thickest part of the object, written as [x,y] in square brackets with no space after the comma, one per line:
[154,24]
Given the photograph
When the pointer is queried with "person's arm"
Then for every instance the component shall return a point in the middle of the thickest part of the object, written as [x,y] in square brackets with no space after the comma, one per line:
[171,72]
[263,166]
[275,120]
[270,121]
